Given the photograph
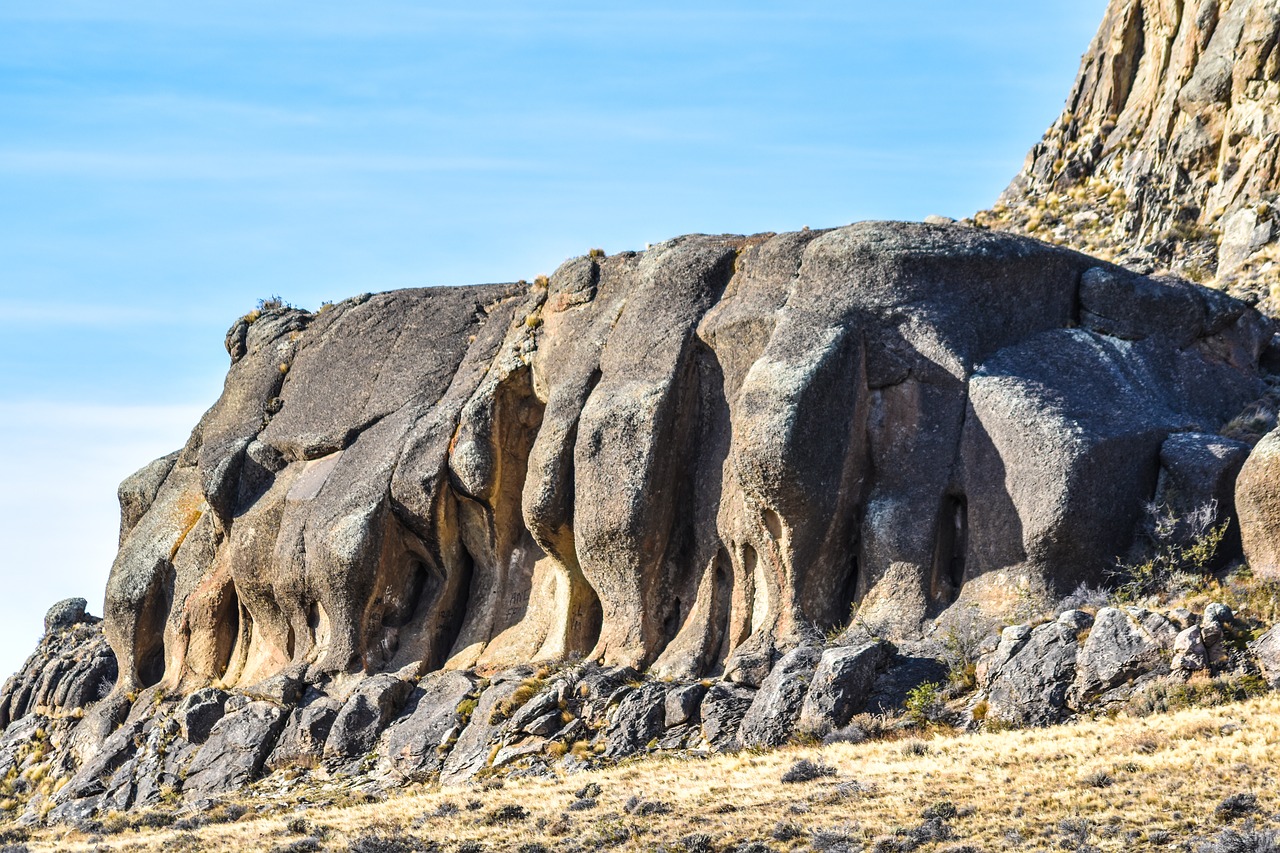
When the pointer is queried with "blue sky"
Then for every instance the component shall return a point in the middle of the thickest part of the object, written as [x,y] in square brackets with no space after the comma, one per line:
[163,167]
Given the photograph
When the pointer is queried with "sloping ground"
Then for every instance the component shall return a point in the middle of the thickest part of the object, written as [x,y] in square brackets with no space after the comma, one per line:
[1164,157]
[1175,781]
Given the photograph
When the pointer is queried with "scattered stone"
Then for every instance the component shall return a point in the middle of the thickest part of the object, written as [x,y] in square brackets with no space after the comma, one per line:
[1027,678]
[236,750]
[1117,651]
[722,711]
[198,712]
[841,685]
[682,704]
[777,704]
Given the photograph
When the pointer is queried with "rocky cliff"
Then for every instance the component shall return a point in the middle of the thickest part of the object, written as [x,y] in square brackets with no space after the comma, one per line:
[689,459]
[1165,155]
[432,532]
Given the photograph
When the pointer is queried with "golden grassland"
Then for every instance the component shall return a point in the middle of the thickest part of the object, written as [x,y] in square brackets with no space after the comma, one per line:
[1122,783]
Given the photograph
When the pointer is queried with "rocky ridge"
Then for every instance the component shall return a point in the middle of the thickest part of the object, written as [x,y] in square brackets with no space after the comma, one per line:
[1164,157]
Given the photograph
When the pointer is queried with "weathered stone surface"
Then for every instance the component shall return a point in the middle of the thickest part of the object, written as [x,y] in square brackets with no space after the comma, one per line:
[236,749]
[777,704]
[471,750]
[71,669]
[722,710]
[199,712]
[1266,650]
[301,742]
[414,747]
[1189,654]
[682,704]
[1117,650]
[64,614]
[639,718]
[371,706]
[1027,678]
[841,685]
[636,463]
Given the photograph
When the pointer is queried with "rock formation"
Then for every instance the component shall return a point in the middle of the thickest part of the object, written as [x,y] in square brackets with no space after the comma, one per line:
[687,459]
[1165,155]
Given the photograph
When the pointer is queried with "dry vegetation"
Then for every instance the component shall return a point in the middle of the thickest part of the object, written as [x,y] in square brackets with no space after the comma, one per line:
[1158,782]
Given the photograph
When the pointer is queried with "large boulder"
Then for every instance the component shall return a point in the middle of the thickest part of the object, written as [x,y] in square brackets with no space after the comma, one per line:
[841,685]
[695,459]
[413,748]
[1118,650]
[722,710]
[1258,505]
[778,703]
[1027,678]
[236,749]
[374,703]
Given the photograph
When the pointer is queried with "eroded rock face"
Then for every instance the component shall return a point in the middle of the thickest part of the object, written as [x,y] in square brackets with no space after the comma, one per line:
[1164,156]
[685,458]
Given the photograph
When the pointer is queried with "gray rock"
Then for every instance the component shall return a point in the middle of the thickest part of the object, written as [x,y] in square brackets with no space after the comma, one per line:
[415,746]
[372,705]
[471,750]
[1118,650]
[1161,629]
[1077,619]
[639,718]
[1027,678]
[199,712]
[1218,613]
[722,710]
[544,726]
[1183,618]
[682,704]
[301,742]
[841,684]
[64,614]
[1266,651]
[777,705]
[1189,653]
[1258,507]
[236,749]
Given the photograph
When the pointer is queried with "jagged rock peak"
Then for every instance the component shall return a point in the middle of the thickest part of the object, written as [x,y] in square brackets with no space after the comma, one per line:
[1165,155]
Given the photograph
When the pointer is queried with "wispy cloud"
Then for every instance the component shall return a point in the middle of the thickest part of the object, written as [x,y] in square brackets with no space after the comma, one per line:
[23,415]
[254,165]
[53,314]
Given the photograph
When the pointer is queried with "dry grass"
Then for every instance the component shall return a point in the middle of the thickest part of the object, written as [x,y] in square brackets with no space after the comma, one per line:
[1118,784]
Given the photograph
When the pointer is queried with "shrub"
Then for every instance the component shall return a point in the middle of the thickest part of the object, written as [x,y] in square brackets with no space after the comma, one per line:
[924,701]
[509,813]
[1247,841]
[1179,549]
[1097,779]
[1236,805]
[522,694]
[805,770]
[645,808]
